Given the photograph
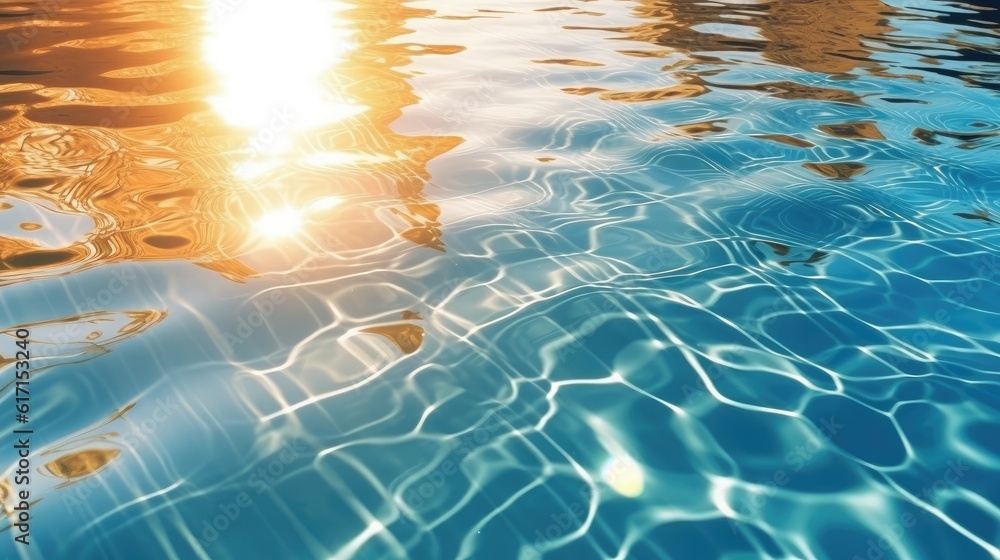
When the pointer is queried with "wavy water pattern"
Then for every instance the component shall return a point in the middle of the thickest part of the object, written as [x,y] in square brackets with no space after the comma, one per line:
[562,279]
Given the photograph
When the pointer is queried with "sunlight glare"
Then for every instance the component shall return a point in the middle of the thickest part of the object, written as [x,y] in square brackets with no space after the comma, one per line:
[274,64]
[624,475]
[325,203]
[280,223]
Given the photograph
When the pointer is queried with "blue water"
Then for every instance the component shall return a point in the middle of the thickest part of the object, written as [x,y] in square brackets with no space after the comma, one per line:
[554,279]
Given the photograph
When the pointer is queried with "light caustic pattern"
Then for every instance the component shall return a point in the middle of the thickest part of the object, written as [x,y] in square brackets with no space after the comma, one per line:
[540,279]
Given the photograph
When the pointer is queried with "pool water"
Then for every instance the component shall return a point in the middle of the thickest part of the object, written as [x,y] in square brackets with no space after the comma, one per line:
[558,279]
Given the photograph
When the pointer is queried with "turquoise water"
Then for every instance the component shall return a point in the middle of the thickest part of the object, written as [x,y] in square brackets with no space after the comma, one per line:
[543,279]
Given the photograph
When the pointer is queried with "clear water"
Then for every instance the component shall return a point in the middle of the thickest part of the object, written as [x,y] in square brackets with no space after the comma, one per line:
[536,279]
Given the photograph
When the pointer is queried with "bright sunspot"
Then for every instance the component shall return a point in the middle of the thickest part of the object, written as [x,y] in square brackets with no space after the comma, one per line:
[274,65]
[285,222]
[624,475]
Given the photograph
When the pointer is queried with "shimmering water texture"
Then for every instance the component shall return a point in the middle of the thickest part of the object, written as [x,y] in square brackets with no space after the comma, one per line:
[559,279]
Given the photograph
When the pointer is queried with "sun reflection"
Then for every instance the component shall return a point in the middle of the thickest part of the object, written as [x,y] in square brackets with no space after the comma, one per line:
[285,222]
[624,475]
[274,65]
[325,203]
[288,221]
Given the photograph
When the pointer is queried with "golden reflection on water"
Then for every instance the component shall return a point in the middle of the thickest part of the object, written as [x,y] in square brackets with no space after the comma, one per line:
[274,126]
[81,463]
[855,130]
[78,338]
[841,171]
[406,337]
[71,460]
[812,36]
[680,91]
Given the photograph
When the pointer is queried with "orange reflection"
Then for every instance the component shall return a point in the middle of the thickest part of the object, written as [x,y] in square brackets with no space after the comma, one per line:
[81,463]
[814,36]
[78,338]
[406,337]
[69,461]
[174,149]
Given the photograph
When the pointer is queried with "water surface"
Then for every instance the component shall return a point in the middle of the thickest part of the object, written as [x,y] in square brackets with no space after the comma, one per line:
[638,279]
